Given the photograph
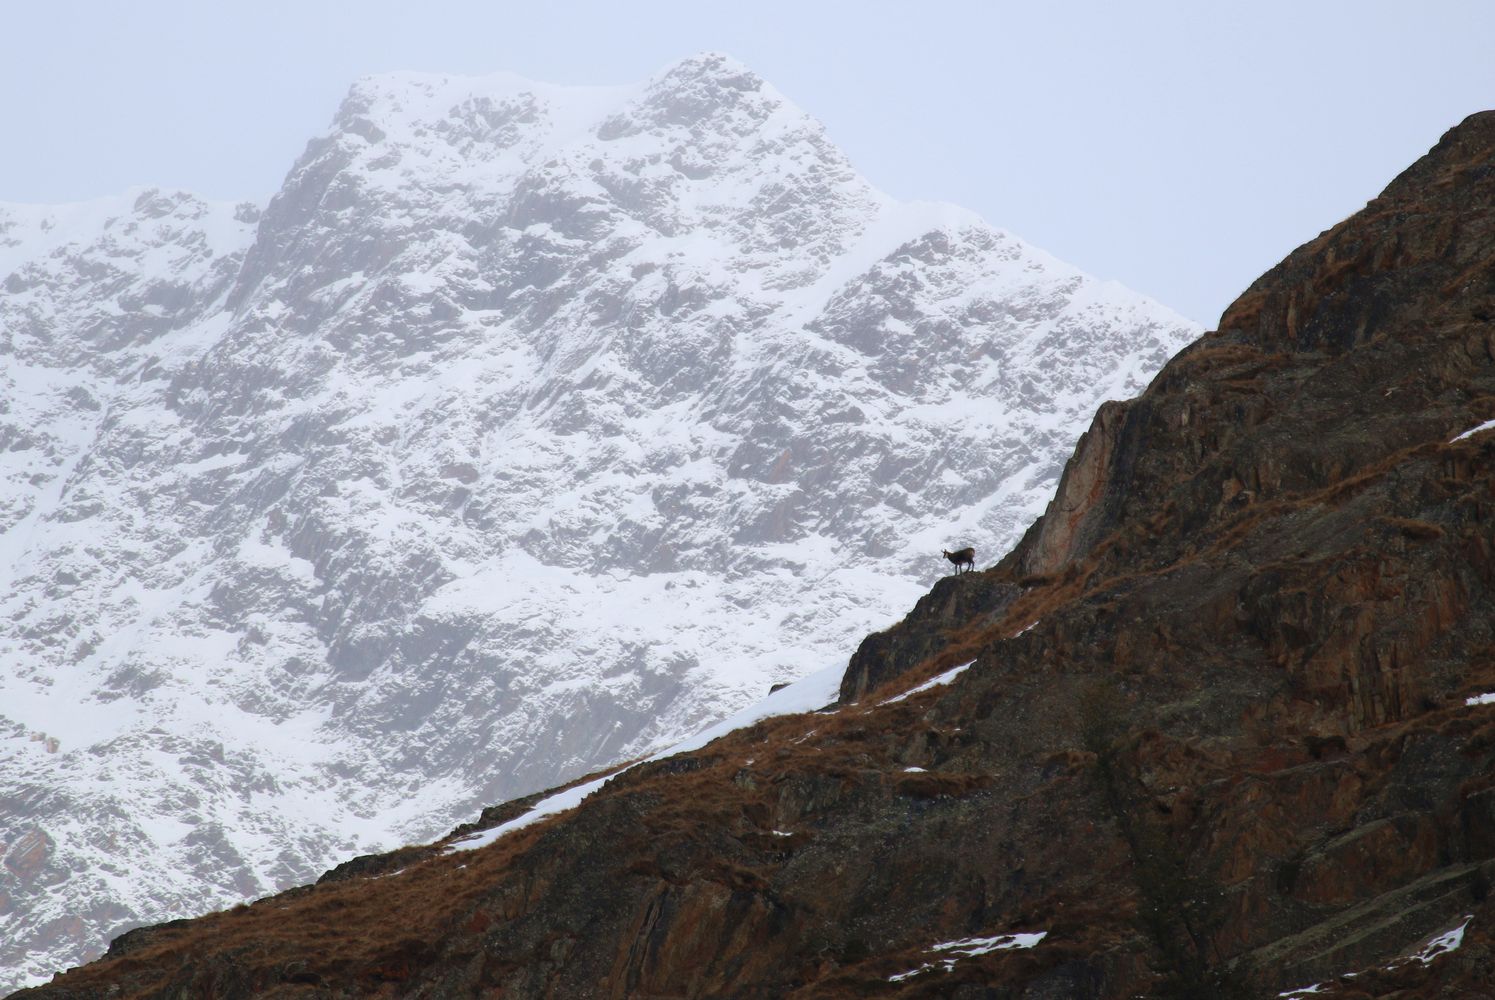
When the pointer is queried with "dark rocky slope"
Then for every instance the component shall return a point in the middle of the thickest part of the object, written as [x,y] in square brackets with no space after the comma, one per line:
[1215,740]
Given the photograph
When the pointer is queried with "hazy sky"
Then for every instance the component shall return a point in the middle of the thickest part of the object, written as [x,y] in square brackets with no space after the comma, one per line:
[1180,148]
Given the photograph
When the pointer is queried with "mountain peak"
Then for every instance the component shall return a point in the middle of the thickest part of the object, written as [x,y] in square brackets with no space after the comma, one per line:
[683,93]
[541,425]
[716,68]
[1469,145]
[1310,300]
[711,94]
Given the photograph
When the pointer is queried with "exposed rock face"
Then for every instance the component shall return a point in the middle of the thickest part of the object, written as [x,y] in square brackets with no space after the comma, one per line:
[525,429]
[1234,741]
[954,602]
[1076,518]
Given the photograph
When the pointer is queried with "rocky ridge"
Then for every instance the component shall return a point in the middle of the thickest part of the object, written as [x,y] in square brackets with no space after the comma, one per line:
[450,473]
[1222,724]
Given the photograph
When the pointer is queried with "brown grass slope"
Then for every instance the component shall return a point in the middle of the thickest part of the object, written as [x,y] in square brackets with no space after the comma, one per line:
[1233,754]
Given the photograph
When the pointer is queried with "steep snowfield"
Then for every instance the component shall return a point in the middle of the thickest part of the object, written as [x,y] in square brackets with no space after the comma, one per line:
[527,429]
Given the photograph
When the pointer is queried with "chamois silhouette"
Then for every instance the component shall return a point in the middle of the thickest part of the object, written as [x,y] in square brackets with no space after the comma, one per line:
[961,557]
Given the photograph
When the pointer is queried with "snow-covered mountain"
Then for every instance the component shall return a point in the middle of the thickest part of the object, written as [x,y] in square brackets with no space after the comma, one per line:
[525,429]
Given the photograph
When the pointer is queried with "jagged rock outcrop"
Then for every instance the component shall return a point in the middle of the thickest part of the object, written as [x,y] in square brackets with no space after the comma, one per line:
[1224,727]
[956,602]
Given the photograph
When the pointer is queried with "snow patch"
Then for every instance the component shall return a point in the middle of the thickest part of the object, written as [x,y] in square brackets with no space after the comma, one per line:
[944,678]
[1444,943]
[970,948]
[1440,945]
[1487,425]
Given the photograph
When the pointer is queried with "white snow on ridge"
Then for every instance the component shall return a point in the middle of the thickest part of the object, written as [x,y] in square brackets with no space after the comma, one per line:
[806,695]
[937,681]
[1481,428]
